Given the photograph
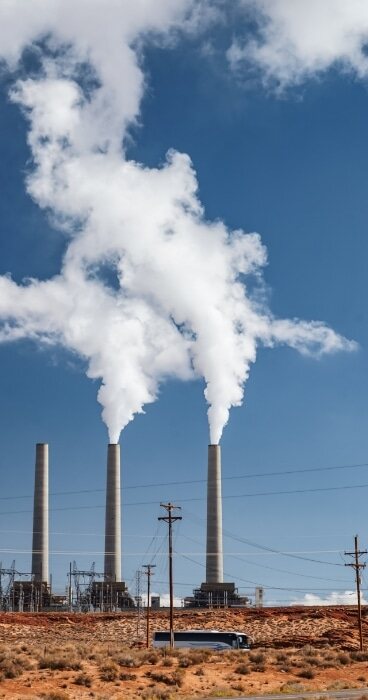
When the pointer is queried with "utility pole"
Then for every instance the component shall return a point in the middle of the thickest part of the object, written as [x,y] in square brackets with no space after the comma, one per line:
[357,566]
[138,599]
[170,519]
[148,571]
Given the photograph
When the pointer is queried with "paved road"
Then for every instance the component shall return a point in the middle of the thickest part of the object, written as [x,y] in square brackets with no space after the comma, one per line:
[341,694]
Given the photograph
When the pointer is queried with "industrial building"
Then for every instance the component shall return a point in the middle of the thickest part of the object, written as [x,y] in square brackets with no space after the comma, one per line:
[106,591]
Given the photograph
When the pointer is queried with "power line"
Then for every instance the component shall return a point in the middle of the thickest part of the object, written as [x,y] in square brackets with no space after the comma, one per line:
[272,568]
[194,554]
[256,545]
[102,534]
[188,500]
[293,554]
[256,583]
[75,534]
[248,588]
[255,475]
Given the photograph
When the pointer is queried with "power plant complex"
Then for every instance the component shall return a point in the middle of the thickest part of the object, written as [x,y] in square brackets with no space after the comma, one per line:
[102,591]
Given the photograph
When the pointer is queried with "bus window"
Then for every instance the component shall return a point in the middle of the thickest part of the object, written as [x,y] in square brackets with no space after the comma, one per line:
[243,642]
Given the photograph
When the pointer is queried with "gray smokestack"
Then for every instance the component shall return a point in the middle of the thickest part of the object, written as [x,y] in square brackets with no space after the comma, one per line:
[40,546]
[113,516]
[214,555]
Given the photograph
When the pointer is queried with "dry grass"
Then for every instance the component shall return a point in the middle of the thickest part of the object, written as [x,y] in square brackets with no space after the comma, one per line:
[242,669]
[83,679]
[104,670]
[109,671]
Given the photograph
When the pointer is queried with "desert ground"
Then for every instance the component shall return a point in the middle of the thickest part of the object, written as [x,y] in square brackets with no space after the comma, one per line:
[65,656]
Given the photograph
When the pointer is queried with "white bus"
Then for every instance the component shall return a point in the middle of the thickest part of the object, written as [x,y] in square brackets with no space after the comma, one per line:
[212,639]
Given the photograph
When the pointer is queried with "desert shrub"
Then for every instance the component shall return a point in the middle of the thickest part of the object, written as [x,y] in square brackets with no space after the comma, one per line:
[9,669]
[127,660]
[185,662]
[308,650]
[306,673]
[13,666]
[199,656]
[242,669]
[285,668]
[56,695]
[222,693]
[238,686]
[160,677]
[156,693]
[175,679]
[359,655]
[83,679]
[259,668]
[343,659]
[127,676]
[361,679]
[315,660]
[150,657]
[257,657]
[167,661]
[199,672]
[193,657]
[60,662]
[109,671]
[291,687]
[281,657]
[330,662]
[178,677]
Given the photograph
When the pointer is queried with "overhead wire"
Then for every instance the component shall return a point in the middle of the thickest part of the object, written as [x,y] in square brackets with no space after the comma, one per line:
[200,499]
[272,568]
[257,545]
[286,472]
[265,587]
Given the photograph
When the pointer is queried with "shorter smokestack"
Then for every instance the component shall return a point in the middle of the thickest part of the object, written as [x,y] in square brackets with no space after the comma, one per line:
[113,516]
[214,554]
[40,546]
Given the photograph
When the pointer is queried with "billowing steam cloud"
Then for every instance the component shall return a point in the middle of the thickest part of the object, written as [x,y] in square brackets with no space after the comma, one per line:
[148,287]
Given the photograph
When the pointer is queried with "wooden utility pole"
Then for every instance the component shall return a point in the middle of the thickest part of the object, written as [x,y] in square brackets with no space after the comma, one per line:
[357,566]
[138,598]
[170,519]
[148,571]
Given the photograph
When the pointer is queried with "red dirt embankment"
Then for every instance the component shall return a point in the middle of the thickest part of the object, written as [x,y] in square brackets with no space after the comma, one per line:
[269,627]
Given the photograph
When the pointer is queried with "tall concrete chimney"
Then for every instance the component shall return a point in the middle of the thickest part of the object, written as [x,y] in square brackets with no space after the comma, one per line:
[40,546]
[214,554]
[113,516]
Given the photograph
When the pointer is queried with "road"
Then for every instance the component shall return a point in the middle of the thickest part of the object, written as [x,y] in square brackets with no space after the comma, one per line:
[340,694]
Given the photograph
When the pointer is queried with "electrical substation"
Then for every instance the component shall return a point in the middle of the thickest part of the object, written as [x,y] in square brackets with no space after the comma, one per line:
[105,591]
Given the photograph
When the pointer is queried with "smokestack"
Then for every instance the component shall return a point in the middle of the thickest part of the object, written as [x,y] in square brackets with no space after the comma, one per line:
[113,516]
[214,554]
[40,546]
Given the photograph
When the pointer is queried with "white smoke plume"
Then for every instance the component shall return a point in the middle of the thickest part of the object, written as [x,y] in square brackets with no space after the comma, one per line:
[300,39]
[333,598]
[174,301]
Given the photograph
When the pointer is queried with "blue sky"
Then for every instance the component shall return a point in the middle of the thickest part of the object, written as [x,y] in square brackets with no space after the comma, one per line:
[292,167]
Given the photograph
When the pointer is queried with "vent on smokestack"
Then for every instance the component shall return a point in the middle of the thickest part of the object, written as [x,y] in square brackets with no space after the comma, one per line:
[113,516]
[214,553]
[40,546]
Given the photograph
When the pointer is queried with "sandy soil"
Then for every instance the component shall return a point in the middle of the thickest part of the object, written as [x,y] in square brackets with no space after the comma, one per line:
[104,650]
